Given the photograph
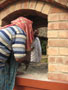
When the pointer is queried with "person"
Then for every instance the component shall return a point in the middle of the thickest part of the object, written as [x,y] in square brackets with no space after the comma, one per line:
[15,45]
[36,53]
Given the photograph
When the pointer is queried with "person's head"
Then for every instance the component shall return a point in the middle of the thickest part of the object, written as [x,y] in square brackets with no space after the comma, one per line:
[36,32]
[26,25]
[22,22]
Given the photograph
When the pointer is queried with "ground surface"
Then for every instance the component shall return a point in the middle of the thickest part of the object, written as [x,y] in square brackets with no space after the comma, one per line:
[37,71]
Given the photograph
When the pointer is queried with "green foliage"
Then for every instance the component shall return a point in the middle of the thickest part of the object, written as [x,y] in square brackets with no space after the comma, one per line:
[44,45]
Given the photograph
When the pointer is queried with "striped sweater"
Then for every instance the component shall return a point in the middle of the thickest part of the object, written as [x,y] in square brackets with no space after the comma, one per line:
[11,38]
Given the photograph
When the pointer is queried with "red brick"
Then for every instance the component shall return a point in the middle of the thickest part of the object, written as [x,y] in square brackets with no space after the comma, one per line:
[46,9]
[58,25]
[56,10]
[57,60]
[52,68]
[39,6]
[51,59]
[66,60]
[5,12]
[63,2]
[58,76]
[58,42]
[58,16]
[32,4]
[63,51]
[63,68]
[52,34]
[60,60]
[52,51]
[58,68]
[18,6]
[26,4]
[63,34]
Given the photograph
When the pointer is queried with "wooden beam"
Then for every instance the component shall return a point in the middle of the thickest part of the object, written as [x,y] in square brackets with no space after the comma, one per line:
[41,85]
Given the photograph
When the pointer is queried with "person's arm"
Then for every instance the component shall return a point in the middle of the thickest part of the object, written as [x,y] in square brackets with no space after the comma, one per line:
[24,58]
[18,47]
[21,59]
[39,49]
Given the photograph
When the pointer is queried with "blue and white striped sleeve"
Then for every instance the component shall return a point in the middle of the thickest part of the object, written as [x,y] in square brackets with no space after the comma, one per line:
[18,45]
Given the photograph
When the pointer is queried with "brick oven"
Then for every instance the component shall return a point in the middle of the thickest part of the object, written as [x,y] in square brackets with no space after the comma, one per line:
[56,14]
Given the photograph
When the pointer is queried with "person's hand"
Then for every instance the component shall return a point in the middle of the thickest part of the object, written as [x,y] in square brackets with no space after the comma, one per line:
[32,48]
[27,59]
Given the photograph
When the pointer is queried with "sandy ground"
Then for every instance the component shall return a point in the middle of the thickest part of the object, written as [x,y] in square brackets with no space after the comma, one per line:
[36,71]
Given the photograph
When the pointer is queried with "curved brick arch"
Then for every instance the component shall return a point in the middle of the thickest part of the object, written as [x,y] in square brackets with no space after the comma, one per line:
[31,14]
[38,6]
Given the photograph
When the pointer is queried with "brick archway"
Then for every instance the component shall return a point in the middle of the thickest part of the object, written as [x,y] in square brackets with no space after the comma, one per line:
[23,12]
[39,6]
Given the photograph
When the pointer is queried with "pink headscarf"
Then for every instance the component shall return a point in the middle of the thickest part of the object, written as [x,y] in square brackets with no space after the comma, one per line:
[26,25]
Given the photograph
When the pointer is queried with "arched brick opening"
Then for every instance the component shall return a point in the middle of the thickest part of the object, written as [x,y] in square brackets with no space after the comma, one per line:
[40,6]
[40,20]
[26,13]
[28,9]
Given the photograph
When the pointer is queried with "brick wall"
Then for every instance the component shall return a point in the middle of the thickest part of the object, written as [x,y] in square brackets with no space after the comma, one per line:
[58,44]
[57,34]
